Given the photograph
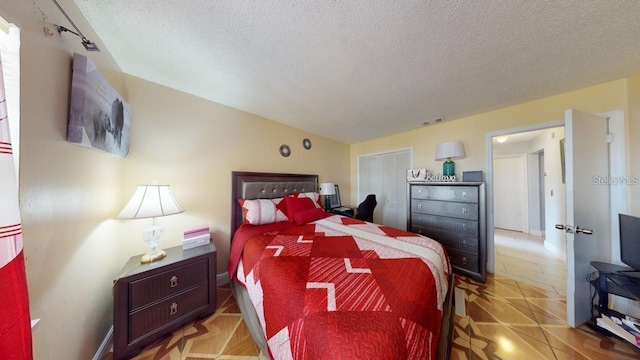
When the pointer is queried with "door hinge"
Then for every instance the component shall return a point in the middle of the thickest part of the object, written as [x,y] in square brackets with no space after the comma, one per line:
[609,138]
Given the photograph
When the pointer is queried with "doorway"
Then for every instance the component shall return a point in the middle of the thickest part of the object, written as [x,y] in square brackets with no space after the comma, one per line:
[617,203]
[523,251]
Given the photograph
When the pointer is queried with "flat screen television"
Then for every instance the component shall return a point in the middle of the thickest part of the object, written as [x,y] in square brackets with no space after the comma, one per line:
[630,243]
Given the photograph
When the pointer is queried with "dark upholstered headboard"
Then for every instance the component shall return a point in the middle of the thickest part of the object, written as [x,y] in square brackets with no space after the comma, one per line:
[253,185]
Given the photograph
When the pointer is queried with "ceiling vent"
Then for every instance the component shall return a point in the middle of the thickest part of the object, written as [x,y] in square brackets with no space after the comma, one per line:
[433,121]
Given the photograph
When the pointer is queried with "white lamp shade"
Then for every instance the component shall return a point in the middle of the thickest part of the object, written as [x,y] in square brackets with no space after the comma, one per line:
[450,150]
[150,201]
[327,189]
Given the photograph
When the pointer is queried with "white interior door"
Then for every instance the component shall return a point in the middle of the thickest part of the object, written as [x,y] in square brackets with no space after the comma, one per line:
[509,194]
[587,206]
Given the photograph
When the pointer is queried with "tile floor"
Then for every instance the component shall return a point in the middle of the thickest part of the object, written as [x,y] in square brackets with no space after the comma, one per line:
[523,257]
[508,319]
[221,336]
[500,319]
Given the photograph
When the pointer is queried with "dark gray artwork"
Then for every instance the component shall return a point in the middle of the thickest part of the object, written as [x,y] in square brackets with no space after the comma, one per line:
[98,117]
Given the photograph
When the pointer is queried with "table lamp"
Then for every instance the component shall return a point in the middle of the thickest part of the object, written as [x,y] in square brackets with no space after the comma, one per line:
[449,151]
[151,201]
[327,189]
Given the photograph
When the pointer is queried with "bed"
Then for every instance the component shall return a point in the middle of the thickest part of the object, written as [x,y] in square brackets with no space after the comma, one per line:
[328,286]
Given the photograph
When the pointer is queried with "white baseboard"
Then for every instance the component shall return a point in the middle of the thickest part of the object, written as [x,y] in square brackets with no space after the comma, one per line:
[536,232]
[222,279]
[559,253]
[104,347]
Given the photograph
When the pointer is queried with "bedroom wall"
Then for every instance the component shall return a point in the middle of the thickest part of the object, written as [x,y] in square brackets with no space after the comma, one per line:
[68,194]
[471,130]
[194,144]
[633,145]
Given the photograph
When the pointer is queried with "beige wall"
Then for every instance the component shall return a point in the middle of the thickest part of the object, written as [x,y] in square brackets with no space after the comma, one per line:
[620,94]
[633,141]
[472,130]
[194,145]
[67,194]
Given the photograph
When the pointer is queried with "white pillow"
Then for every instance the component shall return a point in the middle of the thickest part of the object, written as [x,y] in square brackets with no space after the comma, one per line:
[263,211]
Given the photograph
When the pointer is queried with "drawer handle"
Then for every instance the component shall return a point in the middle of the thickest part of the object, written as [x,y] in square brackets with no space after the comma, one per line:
[419,206]
[464,243]
[173,309]
[419,191]
[464,226]
[464,194]
[464,210]
[464,260]
[174,281]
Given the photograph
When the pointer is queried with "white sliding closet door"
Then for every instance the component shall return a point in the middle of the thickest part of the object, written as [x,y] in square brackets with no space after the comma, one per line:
[384,174]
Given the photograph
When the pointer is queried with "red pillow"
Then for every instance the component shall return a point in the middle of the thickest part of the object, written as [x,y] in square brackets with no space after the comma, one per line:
[295,204]
[311,195]
[309,215]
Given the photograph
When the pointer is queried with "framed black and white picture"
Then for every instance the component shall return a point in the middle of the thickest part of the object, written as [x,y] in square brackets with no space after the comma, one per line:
[98,118]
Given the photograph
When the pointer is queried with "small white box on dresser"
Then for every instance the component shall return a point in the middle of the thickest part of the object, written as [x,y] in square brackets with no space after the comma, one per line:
[196,237]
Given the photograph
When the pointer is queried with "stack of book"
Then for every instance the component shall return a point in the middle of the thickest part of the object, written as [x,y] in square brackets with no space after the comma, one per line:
[626,328]
[196,237]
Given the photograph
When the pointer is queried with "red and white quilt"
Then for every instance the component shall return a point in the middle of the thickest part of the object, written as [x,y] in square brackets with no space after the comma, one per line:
[341,288]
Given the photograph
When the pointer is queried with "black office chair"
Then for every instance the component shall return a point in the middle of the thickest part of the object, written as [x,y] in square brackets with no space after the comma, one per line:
[365,209]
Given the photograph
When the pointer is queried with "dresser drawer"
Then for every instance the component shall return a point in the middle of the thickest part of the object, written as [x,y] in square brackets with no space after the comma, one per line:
[461,226]
[463,260]
[157,287]
[467,194]
[450,240]
[145,320]
[454,209]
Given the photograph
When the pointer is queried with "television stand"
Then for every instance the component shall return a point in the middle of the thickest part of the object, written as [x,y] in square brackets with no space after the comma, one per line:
[614,279]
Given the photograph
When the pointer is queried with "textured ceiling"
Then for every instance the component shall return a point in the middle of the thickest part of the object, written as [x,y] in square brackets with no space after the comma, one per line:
[358,70]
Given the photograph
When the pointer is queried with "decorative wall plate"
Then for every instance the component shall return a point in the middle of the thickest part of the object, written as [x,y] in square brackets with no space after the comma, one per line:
[306,143]
[284,150]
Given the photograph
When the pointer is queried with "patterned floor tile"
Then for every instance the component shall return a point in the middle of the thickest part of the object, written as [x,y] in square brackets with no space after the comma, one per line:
[505,319]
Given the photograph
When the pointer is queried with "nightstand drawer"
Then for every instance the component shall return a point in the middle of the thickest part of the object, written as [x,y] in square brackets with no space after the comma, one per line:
[157,287]
[146,320]
[453,209]
[446,193]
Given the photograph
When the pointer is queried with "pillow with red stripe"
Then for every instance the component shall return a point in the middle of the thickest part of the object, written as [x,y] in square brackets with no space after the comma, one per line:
[263,211]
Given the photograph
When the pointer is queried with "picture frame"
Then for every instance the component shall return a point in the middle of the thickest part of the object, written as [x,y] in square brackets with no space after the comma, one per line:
[334,200]
[99,117]
[417,174]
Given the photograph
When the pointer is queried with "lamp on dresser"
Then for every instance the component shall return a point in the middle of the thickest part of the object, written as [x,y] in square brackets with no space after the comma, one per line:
[151,201]
[327,189]
[449,151]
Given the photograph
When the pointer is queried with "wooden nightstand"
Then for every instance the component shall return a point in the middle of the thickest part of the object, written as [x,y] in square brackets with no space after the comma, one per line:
[151,300]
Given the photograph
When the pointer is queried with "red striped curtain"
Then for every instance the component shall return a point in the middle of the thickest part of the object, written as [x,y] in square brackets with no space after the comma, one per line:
[15,323]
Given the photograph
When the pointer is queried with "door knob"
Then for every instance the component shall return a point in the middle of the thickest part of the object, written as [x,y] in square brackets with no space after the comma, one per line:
[571,230]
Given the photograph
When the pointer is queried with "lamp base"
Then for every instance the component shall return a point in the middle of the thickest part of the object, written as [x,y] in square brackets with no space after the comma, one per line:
[448,168]
[153,255]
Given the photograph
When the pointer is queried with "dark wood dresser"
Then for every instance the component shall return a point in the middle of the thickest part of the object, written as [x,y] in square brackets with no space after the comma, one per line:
[454,214]
[151,300]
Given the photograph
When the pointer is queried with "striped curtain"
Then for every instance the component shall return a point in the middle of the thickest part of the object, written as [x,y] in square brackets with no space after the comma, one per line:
[15,323]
